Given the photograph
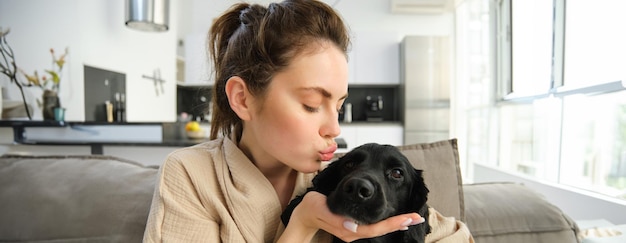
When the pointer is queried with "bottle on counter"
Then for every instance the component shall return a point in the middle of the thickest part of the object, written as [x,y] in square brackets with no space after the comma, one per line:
[117,107]
[347,116]
[109,110]
[123,107]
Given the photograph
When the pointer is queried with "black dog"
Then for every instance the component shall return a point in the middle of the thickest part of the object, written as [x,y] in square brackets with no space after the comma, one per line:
[369,184]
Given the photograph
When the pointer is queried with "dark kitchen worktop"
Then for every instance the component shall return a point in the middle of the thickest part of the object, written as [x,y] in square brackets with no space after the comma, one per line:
[173,134]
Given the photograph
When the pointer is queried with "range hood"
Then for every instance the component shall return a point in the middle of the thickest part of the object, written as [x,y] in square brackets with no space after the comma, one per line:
[148,15]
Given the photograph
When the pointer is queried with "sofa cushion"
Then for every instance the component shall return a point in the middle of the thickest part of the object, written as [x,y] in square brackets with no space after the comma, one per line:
[74,198]
[442,174]
[510,212]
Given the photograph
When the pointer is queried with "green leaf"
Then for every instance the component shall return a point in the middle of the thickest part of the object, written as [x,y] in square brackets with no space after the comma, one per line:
[55,77]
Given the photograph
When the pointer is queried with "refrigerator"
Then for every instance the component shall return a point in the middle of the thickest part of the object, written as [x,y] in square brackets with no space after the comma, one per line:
[425,74]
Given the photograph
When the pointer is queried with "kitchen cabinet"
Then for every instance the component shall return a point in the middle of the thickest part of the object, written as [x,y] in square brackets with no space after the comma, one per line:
[356,134]
[197,68]
[374,58]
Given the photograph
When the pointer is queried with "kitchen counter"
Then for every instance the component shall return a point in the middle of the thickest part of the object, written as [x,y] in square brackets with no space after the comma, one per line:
[97,134]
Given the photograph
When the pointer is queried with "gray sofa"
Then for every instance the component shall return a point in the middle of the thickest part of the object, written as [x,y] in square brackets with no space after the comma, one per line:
[107,199]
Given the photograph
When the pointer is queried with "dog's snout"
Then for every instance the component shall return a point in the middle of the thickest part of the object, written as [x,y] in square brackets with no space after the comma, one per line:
[359,189]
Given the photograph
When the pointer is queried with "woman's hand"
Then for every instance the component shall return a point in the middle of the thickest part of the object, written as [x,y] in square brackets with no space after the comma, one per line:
[313,214]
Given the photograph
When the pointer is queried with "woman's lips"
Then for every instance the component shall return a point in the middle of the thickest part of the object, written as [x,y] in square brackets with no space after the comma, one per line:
[328,153]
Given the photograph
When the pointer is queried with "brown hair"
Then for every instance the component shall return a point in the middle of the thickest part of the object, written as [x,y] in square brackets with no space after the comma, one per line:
[254,42]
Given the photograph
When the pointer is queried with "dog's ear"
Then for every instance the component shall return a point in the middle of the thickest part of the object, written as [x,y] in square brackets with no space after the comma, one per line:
[418,198]
[327,179]
[418,233]
[419,192]
[324,182]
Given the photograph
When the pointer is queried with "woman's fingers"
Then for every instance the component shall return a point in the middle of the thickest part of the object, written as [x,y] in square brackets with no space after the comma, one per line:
[351,226]
[348,230]
[395,223]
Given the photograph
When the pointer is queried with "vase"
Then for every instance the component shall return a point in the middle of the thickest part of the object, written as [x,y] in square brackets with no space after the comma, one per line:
[50,102]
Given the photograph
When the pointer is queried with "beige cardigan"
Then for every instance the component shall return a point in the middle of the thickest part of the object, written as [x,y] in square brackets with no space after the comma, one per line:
[212,192]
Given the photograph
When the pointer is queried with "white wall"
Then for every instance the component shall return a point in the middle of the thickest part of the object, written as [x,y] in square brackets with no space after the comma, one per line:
[95,34]
[361,15]
[375,15]
[576,203]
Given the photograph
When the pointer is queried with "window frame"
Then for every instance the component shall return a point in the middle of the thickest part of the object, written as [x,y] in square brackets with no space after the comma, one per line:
[557,88]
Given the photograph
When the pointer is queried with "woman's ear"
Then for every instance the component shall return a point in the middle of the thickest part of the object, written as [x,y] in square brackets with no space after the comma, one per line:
[237,92]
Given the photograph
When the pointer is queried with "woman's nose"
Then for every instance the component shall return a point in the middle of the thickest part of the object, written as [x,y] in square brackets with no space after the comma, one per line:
[331,128]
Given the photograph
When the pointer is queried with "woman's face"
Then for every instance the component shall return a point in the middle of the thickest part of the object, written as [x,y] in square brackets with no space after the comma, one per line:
[297,120]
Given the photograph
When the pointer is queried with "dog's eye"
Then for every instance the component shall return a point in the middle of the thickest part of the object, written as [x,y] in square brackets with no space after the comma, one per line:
[397,173]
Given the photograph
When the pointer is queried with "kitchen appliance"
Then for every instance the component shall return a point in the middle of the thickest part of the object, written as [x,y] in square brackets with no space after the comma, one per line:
[426,73]
[374,108]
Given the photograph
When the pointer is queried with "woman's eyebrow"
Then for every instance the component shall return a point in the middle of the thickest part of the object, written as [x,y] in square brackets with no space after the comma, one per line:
[323,92]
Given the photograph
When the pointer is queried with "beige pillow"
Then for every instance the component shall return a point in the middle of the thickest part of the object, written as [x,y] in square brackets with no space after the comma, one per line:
[442,174]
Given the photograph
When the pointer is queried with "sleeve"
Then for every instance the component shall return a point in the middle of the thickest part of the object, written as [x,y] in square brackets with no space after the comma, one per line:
[447,229]
[177,213]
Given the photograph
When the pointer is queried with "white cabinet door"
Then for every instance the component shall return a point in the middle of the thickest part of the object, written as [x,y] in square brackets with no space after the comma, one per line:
[198,69]
[375,58]
[360,134]
[383,134]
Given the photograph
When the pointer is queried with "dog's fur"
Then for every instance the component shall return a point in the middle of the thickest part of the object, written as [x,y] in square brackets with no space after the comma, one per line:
[371,183]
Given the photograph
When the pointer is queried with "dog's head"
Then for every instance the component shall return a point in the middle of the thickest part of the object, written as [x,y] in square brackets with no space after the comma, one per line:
[372,182]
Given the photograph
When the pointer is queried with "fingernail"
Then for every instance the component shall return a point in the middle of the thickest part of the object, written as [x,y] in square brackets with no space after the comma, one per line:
[351,226]
[407,222]
[419,221]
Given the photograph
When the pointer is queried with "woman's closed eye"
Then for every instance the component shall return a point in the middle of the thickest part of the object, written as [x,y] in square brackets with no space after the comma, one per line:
[310,108]
[316,109]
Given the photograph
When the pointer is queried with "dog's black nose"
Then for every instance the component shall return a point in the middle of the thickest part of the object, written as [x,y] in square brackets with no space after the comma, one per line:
[358,189]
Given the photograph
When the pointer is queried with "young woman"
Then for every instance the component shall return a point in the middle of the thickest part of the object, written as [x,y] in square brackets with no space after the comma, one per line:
[281,77]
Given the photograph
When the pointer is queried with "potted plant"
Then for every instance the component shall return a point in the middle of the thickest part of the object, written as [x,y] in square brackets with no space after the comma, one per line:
[49,83]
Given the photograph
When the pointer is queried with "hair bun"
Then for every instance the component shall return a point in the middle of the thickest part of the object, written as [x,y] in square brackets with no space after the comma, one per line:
[252,14]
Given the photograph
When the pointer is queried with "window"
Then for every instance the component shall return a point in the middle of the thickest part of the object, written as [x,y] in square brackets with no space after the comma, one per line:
[531,46]
[529,137]
[593,151]
[558,106]
[595,49]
